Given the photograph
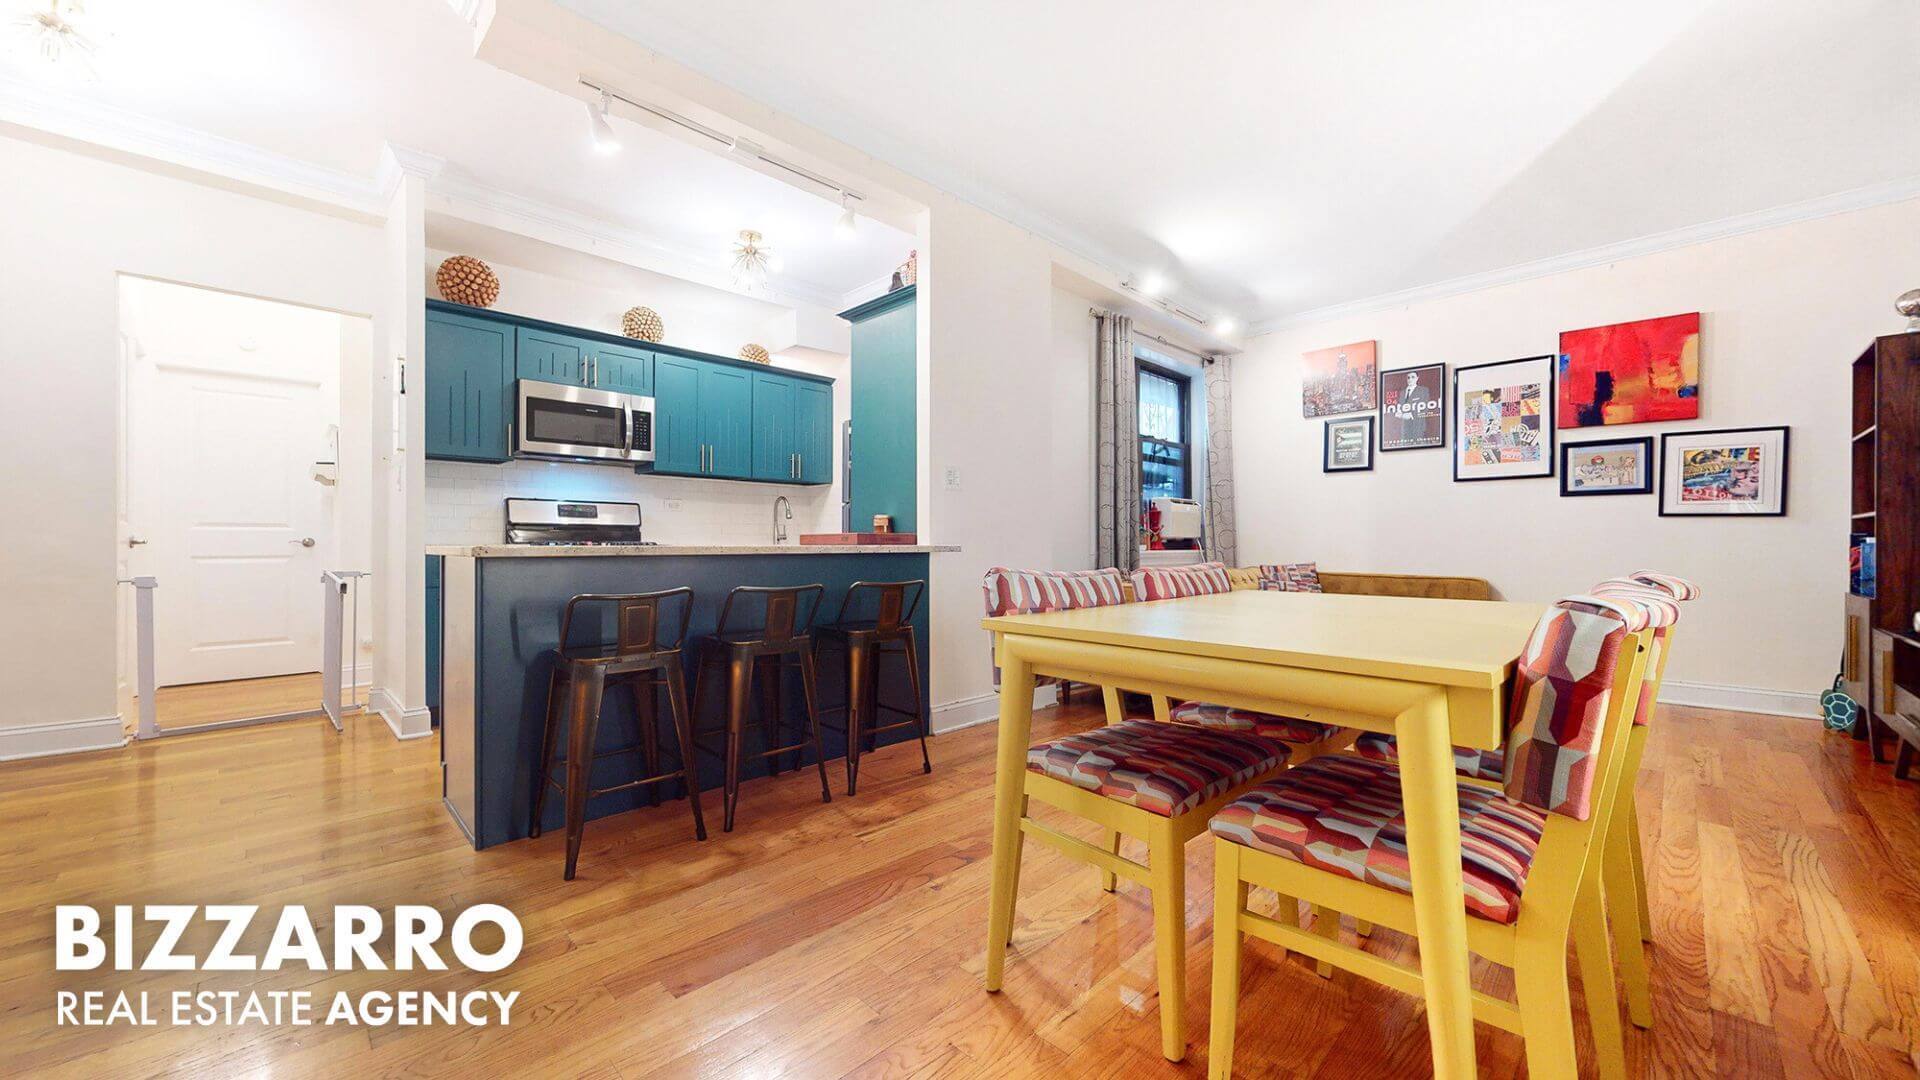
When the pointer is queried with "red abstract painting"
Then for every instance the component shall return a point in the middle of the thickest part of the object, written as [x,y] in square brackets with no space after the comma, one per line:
[1631,373]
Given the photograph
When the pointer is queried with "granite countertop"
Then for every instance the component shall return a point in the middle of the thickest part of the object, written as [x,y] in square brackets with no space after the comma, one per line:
[550,551]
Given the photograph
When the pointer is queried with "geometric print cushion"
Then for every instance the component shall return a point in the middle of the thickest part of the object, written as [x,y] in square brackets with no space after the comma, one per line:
[1479,764]
[1287,729]
[1171,582]
[1290,577]
[1343,815]
[1561,687]
[1662,601]
[1161,768]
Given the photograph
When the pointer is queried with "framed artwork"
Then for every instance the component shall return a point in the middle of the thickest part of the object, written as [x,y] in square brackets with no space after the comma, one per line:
[1413,408]
[1727,473]
[1338,380]
[1631,373]
[1347,445]
[1607,467]
[1503,420]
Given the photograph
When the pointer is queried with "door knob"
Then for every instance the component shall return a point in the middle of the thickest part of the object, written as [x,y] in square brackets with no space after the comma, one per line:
[305,541]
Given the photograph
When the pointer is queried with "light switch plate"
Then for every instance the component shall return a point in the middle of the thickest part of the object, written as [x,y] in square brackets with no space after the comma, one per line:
[673,504]
[953,478]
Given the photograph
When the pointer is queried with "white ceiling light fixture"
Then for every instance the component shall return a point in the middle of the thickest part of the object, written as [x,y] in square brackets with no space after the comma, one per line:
[605,139]
[848,223]
[1225,325]
[1155,286]
[753,260]
[60,34]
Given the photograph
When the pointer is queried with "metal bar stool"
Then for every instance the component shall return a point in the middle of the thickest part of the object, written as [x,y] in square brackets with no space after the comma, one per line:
[887,632]
[782,639]
[639,658]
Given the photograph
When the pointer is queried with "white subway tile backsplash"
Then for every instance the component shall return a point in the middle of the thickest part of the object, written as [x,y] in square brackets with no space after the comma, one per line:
[466,502]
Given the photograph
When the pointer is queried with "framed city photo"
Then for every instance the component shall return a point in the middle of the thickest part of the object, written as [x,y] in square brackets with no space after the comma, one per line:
[1413,408]
[1732,472]
[1607,467]
[1348,445]
[1338,380]
[1503,420]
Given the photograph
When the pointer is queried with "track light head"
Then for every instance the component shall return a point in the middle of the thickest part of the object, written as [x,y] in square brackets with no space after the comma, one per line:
[605,139]
[848,223]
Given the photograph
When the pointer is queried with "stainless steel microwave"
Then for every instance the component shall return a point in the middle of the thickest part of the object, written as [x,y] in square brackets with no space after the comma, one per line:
[575,423]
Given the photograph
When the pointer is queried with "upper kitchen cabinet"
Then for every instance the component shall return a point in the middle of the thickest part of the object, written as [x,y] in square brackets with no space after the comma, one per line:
[886,445]
[469,381]
[676,417]
[703,418]
[726,420]
[775,452]
[622,369]
[549,357]
[813,431]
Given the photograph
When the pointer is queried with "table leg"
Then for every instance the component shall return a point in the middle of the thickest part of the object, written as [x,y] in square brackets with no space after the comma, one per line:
[1432,807]
[1009,784]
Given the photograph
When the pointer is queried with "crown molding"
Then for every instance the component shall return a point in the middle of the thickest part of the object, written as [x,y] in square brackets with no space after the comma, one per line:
[399,162]
[30,106]
[1862,198]
[469,11]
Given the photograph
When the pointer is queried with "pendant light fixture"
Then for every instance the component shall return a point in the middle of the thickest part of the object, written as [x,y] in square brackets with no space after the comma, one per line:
[60,34]
[605,139]
[752,260]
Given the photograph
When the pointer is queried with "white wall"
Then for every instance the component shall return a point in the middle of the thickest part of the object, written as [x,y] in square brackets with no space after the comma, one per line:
[465,502]
[1783,313]
[74,223]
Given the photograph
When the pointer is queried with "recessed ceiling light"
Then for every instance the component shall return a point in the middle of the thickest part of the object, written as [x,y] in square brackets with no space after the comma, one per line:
[605,139]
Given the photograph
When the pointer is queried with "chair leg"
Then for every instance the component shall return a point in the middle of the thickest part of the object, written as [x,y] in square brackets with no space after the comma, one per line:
[766,675]
[858,657]
[1167,868]
[1903,760]
[1326,923]
[1639,863]
[808,684]
[739,676]
[1019,850]
[919,701]
[1623,911]
[647,713]
[1596,978]
[1162,708]
[1546,1007]
[1229,901]
[547,738]
[1363,928]
[1116,714]
[1110,839]
[683,730]
[587,686]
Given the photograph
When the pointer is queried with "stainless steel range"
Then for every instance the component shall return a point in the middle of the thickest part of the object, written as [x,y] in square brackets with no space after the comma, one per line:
[560,521]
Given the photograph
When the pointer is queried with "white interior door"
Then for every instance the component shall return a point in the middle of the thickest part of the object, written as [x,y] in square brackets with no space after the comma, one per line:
[222,439]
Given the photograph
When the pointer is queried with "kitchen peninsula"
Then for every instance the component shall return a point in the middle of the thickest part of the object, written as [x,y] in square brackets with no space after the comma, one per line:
[497,608]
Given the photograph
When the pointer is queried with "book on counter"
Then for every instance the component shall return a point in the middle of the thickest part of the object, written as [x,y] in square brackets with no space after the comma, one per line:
[1861,565]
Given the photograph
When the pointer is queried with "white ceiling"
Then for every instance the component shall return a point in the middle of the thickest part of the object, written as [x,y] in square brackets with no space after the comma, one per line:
[1277,157]
[328,82]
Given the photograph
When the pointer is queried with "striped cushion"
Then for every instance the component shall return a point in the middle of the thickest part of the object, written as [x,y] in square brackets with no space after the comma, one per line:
[1287,729]
[1342,814]
[1667,610]
[1677,587]
[1161,768]
[1024,592]
[1169,582]
[1560,692]
[1290,577]
[1479,764]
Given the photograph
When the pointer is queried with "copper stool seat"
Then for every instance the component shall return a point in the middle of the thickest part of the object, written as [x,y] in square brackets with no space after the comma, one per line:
[751,654]
[638,658]
[882,627]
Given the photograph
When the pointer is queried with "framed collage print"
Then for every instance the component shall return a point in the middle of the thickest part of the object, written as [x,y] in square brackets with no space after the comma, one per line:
[1607,467]
[1734,472]
[1503,420]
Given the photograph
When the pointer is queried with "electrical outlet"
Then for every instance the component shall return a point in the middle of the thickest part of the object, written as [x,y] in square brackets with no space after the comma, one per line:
[953,478]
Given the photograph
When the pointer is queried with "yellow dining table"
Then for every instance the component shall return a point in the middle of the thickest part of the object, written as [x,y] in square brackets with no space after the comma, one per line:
[1431,672]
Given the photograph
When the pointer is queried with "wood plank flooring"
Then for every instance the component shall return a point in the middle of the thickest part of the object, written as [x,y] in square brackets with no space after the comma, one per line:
[846,939]
[200,703]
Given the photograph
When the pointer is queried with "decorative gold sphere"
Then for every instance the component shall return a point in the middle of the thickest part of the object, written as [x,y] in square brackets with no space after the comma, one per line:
[756,353]
[464,279]
[643,324]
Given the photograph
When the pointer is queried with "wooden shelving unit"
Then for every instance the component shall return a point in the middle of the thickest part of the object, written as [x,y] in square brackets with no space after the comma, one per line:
[1881,664]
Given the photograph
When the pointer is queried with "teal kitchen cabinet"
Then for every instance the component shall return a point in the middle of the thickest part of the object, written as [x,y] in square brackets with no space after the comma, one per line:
[545,356]
[884,406]
[813,431]
[775,449]
[676,417]
[469,387]
[726,420]
[616,367]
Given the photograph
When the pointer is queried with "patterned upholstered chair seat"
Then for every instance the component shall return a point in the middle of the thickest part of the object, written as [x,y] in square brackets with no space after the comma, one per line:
[1342,814]
[1160,768]
[1286,729]
[1479,764]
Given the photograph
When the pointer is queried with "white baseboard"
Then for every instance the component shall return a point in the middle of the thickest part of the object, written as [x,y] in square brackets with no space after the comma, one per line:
[61,737]
[982,709]
[405,723]
[1740,698]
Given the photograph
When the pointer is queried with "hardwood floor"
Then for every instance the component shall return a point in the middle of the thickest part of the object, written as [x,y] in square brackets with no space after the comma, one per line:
[200,703]
[846,939]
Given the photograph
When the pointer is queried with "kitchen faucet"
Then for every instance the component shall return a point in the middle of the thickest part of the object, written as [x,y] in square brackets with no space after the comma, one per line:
[782,513]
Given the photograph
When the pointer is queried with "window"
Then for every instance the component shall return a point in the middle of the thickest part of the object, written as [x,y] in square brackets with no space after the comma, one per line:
[1166,465]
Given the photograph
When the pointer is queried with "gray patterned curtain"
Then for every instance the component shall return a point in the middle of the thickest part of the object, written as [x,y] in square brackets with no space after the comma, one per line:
[1217,504]
[1116,452]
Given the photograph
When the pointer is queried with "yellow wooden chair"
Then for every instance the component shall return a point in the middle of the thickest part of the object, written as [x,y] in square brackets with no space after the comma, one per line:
[1158,783]
[1325,833]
